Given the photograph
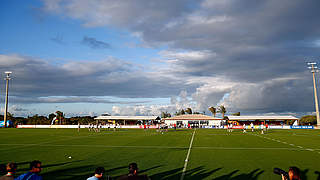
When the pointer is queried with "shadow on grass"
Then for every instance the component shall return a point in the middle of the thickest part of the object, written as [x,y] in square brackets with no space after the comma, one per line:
[145,170]
[196,173]
[86,171]
[140,172]
[73,172]
[201,173]
[70,173]
[44,166]
[253,175]
[303,174]
[117,168]
[318,173]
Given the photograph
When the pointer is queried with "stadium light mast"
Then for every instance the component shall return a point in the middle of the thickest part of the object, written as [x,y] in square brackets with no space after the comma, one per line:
[314,69]
[6,104]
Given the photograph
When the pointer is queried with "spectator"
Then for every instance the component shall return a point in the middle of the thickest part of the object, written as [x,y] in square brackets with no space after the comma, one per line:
[11,169]
[133,174]
[35,169]
[98,174]
[294,174]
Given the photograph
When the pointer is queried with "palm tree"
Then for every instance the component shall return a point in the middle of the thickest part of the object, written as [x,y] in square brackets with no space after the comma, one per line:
[51,116]
[222,110]
[188,110]
[60,116]
[213,110]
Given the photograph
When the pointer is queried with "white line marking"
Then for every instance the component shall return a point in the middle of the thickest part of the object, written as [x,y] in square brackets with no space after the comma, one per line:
[187,159]
[294,145]
[234,148]
[225,134]
[103,146]
[155,147]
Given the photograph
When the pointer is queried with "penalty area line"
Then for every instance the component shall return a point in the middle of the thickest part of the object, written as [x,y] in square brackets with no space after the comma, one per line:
[187,159]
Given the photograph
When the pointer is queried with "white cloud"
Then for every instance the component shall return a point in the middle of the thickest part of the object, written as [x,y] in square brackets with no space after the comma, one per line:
[246,50]
[177,103]
[10,60]
[16,110]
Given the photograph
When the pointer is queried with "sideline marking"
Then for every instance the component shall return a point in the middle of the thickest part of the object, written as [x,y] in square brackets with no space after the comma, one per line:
[187,159]
[306,149]
[157,147]
[240,148]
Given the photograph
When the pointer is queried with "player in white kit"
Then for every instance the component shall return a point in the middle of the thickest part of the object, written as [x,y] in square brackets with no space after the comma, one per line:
[252,127]
[244,128]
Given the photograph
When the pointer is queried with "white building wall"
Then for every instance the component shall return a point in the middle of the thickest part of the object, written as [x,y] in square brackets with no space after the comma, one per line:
[211,122]
[215,123]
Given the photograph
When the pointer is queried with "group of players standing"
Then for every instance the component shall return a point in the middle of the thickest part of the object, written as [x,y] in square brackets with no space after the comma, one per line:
[263,128]
[98,126]
[163,128]
[95,127]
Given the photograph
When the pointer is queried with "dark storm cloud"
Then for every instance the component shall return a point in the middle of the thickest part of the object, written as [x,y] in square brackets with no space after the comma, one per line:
[67,99]
[248,44]
[94,43]
[246,35]
[128,14]
[35,79]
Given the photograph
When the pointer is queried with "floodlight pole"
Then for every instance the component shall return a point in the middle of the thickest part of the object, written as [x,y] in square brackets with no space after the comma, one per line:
[6,104]
[313,71]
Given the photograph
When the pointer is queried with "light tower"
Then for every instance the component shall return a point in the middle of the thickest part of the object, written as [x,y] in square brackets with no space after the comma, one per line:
[314,69]
[7,90]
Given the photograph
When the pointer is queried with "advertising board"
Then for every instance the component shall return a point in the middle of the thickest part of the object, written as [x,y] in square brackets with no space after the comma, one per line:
[301,127]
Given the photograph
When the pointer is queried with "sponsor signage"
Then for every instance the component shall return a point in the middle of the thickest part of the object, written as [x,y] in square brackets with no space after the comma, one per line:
[280,127]
[237,127]
[301,127]
[9,123]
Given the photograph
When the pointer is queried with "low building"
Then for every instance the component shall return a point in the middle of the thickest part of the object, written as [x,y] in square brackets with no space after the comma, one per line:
[129,120]
[271,120]
[195,120]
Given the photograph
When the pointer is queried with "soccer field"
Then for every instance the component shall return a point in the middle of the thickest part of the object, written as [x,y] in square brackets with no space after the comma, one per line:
[214,154]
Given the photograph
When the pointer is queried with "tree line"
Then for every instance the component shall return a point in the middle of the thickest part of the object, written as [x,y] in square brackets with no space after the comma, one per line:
[214,110]
[61,119]
[46,120]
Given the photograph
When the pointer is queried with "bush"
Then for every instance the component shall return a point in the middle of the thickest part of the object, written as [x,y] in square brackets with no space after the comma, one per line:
[308,119]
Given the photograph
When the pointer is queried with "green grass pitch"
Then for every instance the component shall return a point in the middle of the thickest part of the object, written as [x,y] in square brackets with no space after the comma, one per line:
[215,154]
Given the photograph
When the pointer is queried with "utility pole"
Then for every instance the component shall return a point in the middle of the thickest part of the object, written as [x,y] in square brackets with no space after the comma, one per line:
[6,104]
[314,69]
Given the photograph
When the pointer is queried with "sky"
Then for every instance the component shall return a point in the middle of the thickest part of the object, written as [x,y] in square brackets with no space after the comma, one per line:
[130,57]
